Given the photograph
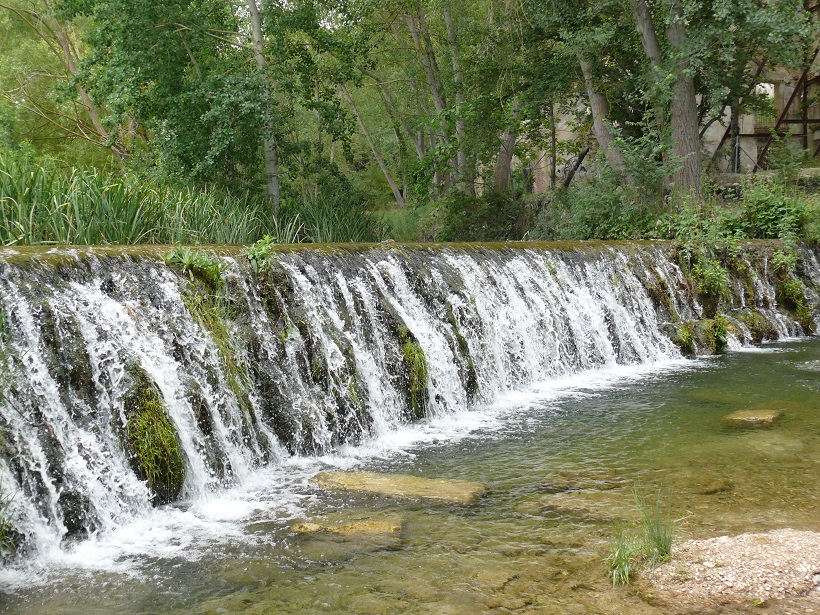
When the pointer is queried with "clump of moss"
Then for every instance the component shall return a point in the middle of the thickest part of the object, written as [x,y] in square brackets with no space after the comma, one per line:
[8,546]
[760,328]
[684,337]
[155,453]
[712,282]
[717,333]
[792,296]
[469,375]
[415,363]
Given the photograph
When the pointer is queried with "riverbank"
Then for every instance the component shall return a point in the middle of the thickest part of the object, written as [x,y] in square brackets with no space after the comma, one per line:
[778,571]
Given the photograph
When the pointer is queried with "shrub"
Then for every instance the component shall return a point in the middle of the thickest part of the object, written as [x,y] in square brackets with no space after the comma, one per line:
[490,217]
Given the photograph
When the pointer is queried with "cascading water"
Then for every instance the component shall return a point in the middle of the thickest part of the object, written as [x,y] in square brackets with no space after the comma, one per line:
[324,347]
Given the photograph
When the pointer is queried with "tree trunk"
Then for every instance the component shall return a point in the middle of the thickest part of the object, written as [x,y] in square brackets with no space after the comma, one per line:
[571,171]
[427,58]
[268,141]
[397,194]
[600,108]
[684,113]
[649,38]
[503,163]
[464,174]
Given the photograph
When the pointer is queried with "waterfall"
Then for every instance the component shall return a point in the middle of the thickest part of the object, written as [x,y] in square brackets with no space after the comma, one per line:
[323,347]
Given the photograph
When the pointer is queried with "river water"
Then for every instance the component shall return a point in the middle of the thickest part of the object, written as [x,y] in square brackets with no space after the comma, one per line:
[562,461]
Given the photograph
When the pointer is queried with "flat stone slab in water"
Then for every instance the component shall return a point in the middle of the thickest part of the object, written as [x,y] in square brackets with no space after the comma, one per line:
[402,485]
[361,527]
[752,418]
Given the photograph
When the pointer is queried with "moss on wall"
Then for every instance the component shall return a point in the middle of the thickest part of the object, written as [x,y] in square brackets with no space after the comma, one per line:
[151,440]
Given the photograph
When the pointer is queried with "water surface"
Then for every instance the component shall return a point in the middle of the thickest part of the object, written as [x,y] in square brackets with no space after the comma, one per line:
[561,462]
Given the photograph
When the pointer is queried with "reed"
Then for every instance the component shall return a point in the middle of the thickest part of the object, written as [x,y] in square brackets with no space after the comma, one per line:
[41,204]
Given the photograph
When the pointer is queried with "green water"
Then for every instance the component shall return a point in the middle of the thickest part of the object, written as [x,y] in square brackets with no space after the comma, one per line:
[528,544]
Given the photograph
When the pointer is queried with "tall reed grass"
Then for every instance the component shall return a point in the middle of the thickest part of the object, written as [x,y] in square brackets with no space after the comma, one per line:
[40,204]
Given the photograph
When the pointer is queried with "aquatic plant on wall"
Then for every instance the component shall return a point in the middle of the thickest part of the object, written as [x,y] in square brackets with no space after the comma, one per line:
[151,440]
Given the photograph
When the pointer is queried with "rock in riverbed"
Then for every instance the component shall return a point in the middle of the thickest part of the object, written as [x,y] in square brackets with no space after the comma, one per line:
[351,529]
[402,485]
[752,418]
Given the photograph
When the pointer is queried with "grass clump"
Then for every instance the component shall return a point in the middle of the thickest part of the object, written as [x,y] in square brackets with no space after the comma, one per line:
[415,364]
[43,204]
[198,264]
[156,455]
[647,542]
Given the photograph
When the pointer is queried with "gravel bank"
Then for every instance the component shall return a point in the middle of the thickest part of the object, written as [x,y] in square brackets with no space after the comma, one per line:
[757,567]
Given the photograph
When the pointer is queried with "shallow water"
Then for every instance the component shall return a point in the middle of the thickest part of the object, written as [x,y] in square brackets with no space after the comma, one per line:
[561,462]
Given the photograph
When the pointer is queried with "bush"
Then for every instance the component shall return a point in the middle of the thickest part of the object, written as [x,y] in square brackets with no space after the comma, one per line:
[490,217]
[770,211]
[603,207]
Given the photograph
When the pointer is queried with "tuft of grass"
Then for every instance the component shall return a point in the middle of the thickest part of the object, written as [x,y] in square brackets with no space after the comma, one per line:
[623,556]
[656,529]
[649,541]
[198,264]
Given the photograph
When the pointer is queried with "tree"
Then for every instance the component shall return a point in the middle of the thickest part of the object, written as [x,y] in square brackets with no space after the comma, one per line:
[38,78]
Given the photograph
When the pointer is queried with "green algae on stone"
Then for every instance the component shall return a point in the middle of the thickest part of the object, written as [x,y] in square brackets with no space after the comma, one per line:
[351,528]
[153,446]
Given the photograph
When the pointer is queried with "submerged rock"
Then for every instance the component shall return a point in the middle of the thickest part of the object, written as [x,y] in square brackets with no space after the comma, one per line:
[352,529]
[575,480]
[752,418]
[402,485]
[587,504]
[714,487]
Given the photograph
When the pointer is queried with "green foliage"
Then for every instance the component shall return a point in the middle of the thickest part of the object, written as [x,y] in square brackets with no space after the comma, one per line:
[156,455]
[770,210]
[416,365]
[685,339]
[490,217]
[648,542]
[718,332]
[711,278]
[600,207]
[198,264]
[40,204]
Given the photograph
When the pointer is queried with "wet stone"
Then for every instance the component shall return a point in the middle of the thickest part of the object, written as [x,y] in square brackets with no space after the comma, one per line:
[403,486]
[571,480]
[752,418]
[714,487]
[347,529]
